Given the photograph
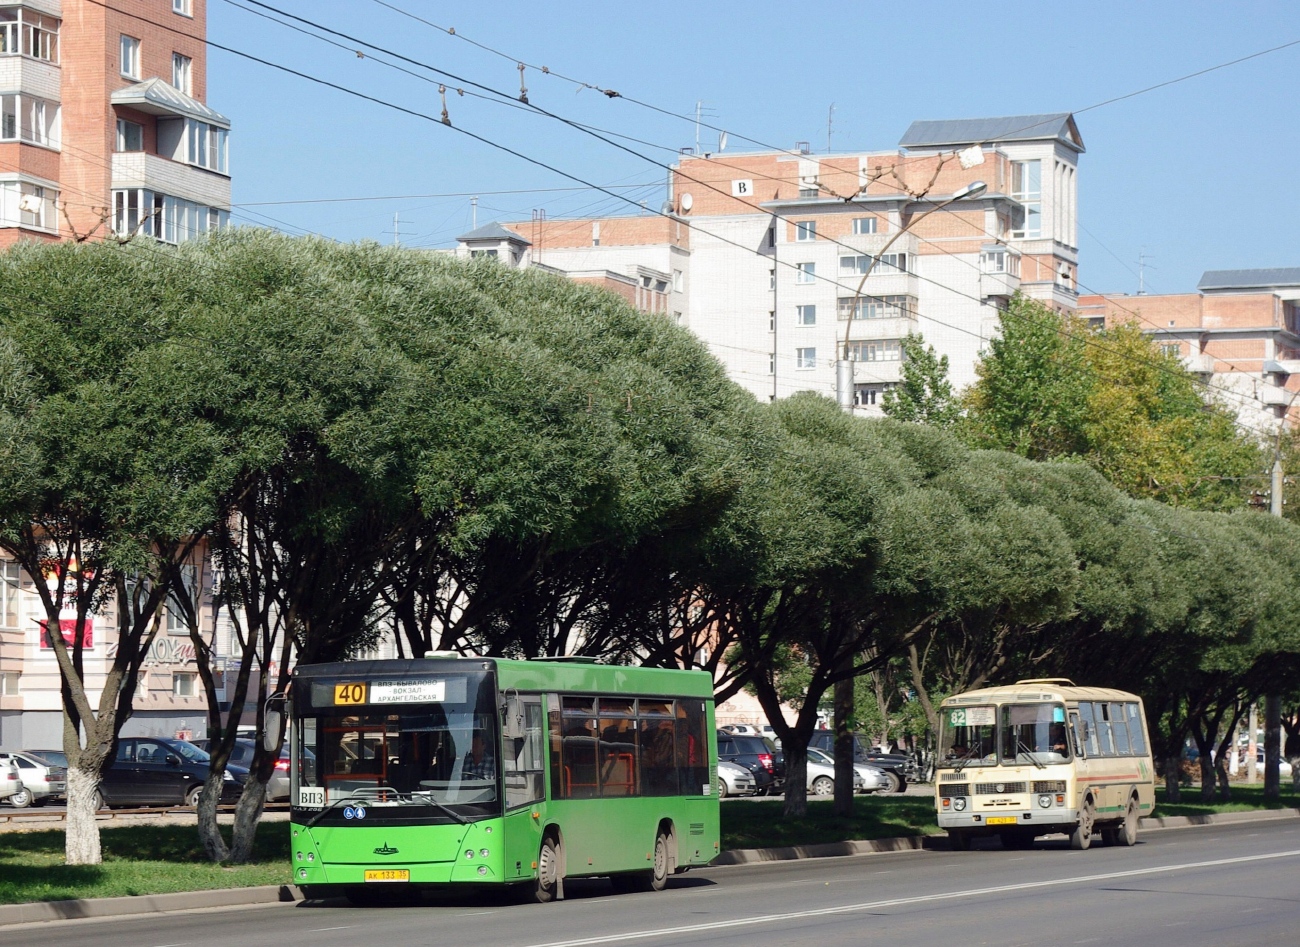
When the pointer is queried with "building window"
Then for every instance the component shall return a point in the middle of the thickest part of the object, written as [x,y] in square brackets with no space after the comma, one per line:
[183,683]
[9,684]
[771,363]
[867,396]
[165,218]
[1027,188]
[805,315]
[1171,348]
[806,272]
[183,7]
[805,358]
[861,263]
[876,307]
[863,226]
[1000,260]
[805,230]
[875,350]
[771,321]
[679,281]
[771,279]
[10,589]
[28,33]
[130,57]
[28,205]
[27,118]
[130,136]
[182,72]
[808,193]
[206,145]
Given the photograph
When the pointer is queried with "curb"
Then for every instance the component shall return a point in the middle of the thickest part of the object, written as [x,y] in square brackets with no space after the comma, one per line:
[36,911]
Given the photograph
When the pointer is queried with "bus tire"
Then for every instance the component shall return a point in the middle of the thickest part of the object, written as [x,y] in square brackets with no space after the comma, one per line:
[1126,833]
[958,840]
[547,886]
[1081,837]
[656,879]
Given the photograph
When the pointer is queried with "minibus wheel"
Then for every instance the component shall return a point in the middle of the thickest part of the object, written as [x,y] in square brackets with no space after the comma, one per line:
[1081,837]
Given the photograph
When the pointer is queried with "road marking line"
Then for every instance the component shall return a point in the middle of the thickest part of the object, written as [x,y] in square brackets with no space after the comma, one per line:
[345,927]
[901,902]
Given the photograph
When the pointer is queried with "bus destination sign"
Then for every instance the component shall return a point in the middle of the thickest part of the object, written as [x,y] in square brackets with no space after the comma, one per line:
[413,691]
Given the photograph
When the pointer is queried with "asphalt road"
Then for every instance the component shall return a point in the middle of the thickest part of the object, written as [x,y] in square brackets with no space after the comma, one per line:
[1214,886]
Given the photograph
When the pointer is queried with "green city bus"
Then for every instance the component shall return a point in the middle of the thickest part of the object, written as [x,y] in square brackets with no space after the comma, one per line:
[418,774]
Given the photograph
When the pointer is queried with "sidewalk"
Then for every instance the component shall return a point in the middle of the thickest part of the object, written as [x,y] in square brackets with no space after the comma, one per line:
[267,894]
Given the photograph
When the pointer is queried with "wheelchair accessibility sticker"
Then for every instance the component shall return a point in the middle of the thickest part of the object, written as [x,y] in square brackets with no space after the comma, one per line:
[354,812]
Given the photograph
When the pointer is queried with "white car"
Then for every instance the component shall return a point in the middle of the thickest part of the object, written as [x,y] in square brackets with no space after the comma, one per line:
[739,728]
[866,778]
[734,780]
[41,779]
[10,782]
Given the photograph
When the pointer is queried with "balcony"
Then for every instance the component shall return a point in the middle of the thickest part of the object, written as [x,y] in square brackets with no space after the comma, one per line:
[865,373]
[138,169]
[1282,366]
[30,77]
[1275,397]
[1201,364]
[895,328]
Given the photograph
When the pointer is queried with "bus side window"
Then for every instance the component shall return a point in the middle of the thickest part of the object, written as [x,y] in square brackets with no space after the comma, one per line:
[1119,729]
[618,747]
[692,747]
[1089,728]
[658,747]
[1135,732]
[522,758]
[1100,717]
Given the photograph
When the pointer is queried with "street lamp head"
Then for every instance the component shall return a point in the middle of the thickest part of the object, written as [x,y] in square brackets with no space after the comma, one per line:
[973,189]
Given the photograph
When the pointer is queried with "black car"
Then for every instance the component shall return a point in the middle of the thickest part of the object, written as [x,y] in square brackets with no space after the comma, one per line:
[154,771]
[754,754]
[894,764]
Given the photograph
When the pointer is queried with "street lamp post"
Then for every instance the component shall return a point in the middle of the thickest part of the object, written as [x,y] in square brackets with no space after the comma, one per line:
[843,364]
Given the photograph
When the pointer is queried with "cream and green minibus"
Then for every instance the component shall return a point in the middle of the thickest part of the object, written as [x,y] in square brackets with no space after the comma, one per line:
[1040,757]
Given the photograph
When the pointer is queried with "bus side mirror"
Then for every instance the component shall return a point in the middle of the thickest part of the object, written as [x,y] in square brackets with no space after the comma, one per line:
[271,730]
[512,723]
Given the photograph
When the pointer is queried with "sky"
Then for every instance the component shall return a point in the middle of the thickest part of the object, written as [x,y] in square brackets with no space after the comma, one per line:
[1197,175]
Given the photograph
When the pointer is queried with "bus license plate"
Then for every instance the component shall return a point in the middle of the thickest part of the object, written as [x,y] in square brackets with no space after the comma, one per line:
[388,874]
[1001,820]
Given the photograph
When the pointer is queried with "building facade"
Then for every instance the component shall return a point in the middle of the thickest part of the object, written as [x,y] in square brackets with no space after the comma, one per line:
[1239,332]
[762,254]
[103,134]
[103,126]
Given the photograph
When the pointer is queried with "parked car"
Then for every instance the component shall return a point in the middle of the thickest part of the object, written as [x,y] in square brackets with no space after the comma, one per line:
[10,782]
[41,779]
[53,757]
[867,778]
[894,764]
[277,787]
[753,754]
[821,775]
[154,771]
[738,728]
[734,780]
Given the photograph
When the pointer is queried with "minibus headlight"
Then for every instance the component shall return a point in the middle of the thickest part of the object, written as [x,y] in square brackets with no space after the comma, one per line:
[959,803]
[1045,801]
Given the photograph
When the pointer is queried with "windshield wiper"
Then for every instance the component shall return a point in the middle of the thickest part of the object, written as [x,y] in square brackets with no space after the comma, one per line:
[1020,744]
[407,799]
[970,755]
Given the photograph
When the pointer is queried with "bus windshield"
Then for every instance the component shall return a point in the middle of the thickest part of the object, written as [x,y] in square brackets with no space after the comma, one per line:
[1034,733]
[414,758]
[968,736]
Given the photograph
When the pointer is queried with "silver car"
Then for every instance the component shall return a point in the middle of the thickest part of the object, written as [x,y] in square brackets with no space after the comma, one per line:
[41,779]
[734,780]
[10,782]
[866,778]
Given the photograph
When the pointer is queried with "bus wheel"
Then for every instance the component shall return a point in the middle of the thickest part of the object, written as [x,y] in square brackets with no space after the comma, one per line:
[547,885]
[958,840]
[1126,833]
[656,879]
[1081,837]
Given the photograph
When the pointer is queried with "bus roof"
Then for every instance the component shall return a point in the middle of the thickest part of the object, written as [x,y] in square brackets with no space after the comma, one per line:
[573,677]
[1037,690]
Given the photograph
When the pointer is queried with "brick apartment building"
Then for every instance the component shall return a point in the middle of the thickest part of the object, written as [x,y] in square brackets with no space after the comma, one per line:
[103,131]
[762,253]
[1239,331]
[103,126]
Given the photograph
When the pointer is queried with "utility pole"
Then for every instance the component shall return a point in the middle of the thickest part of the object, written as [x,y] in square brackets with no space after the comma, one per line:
[473,213]
[1273,700]
[830,125]
[397,242]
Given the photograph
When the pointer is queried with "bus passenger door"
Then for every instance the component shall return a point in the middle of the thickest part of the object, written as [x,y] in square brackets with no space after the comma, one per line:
[1079,738]
[522,762]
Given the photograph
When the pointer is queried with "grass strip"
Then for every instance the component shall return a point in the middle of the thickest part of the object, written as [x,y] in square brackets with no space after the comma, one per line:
[761,824]
[1244,799]
[138,859]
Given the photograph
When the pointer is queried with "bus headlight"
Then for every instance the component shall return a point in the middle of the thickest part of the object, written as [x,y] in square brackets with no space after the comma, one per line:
[469,853]
[482,869]
[1045,801]
[483,853]
[302,872]
[959,803]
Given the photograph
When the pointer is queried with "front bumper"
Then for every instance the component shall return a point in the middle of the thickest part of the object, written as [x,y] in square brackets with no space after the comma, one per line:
[1043,821]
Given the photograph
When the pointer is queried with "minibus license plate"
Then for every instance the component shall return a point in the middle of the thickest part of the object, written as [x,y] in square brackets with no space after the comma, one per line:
[388,874]
[1001,820]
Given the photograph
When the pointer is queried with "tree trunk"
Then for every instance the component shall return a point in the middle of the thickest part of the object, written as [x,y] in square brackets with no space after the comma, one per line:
[1207,777]
[1173,778]
[1272,746]
[214,844]
[248,813]
[796,782]
[81,831]
[844,705]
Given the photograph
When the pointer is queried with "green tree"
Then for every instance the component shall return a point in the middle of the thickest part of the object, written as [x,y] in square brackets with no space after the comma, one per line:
[925,394]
